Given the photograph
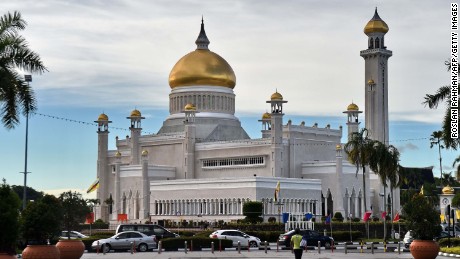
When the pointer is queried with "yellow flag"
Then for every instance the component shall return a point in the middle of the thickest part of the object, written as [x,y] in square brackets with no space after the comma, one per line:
[93,186]
[277,191]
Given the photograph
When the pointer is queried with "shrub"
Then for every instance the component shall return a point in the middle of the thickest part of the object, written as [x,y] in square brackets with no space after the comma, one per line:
[253,210]
[75,210]
[345,235]
[271,219]
[270,236]
[453,241]
[422,218]
[338,217]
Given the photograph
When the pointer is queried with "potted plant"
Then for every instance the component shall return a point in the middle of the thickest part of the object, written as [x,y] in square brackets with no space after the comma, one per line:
[41,222]
[424,221]
[9,224]
[74,210]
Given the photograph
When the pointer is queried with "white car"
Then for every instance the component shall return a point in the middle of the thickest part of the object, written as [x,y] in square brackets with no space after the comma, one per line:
[73,235]
[124,241]
[235,236]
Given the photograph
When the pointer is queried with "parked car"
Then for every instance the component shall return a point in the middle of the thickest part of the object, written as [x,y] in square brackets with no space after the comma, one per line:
[408,238]
[443,234]
[73,235]
[235,236]
[148,229]
[450,229]
[311,236]
[124,241]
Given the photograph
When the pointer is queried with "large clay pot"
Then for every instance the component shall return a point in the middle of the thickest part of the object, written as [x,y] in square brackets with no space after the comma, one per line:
[41,252]
[71,248]
[7,256]
[424,249]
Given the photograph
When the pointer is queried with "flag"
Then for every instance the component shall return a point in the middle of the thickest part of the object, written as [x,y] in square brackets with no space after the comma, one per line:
[277,191]
[457,213]
[366,216]
[396,219]
[90,218]
[384,214]
[93,186]
[328,219]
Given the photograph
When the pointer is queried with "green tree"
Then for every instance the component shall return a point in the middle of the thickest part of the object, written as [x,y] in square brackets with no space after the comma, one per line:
[422,218]
[75,210]
[253,210]
[359,150]
[9,215]
[448,179]
[16,96]
[41,220]
[32,194]
[456,200]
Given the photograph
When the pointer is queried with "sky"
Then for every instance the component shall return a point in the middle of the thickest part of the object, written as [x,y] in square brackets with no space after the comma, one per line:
[115,56]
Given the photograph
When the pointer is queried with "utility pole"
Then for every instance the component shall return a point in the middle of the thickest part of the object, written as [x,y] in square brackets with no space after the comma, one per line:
[28,79]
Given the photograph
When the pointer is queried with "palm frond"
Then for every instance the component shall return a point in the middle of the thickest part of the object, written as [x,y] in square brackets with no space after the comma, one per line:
[433,100]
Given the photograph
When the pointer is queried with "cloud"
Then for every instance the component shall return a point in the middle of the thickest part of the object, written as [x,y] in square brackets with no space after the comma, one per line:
[407,146]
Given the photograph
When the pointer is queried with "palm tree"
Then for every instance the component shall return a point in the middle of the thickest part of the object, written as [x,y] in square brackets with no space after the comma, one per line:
[394,176]
[457,174]
[447,179]
[436,139]
[16,96]
[359,150]
[433,100]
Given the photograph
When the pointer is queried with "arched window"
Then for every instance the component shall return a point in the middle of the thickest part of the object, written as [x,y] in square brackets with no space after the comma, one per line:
[377,43]
[371,43]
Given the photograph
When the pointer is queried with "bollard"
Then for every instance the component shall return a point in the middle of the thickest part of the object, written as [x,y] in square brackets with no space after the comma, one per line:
[220,245]
[277,245]
[191,245]
[132,246]
[361,246]
[319,247]
[384,246]
[332,246]
[159,247]
[266,243]
[399,247]
[185,246]
[249,245]
[97,249]
[239,247]
[372,247]
[346,248]
[212,247]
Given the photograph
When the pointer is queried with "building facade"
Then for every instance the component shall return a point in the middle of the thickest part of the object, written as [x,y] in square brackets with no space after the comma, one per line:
[202,165]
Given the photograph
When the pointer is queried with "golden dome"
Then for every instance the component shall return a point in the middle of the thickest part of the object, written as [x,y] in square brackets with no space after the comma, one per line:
[370,82]
[145,152]
[190,107]
[202,67]
[135,113]
[118,154]
[352,107]
[448,190]
[338,147]
[276,97]
[103,117]
[266,116]
[376,24]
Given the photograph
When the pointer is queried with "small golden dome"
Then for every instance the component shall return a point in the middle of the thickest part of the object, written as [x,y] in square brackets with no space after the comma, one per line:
[145,152]
[135,113]
[118,154]
[448,190]
[370,82]
[103,117]
[190,107]
[376,24]
[338,147]
[266,116]
[276,97]
[352,107]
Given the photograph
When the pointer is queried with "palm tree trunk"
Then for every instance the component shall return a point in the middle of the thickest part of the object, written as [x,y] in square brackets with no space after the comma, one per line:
[384,209]
[364,188]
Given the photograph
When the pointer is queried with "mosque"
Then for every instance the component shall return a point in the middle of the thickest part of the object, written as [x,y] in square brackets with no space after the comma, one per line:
[203,166]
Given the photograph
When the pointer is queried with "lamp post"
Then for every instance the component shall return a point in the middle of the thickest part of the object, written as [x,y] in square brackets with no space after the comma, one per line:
[27,78]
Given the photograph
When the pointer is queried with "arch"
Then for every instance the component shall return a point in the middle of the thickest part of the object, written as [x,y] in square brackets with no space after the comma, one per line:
[371,43]
[136,206]
[123,204]
[377,43]
[330,203]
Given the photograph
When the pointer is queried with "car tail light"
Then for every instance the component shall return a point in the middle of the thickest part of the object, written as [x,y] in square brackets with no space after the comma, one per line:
[286,237]
[214,236]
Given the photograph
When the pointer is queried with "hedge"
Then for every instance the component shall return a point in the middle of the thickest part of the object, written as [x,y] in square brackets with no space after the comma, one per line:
[454,241]
[270,236]
[172,244]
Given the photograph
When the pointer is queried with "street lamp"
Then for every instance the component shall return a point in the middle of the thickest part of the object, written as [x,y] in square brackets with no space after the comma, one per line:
[28,79]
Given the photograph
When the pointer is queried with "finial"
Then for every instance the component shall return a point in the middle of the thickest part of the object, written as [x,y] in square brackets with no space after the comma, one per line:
[202,41]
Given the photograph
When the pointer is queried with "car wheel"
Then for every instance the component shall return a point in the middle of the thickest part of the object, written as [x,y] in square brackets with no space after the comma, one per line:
[327,245]
[142,247]
[105,248]
[253,244]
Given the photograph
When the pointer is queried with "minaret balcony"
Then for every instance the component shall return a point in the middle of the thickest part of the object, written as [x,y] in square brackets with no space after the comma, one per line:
[370,52]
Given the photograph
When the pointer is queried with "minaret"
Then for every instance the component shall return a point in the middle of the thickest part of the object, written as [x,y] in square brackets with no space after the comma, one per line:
[145,209]
[338,203]
[266,125]
[352,119]
[376,79]
[117,190]
[190,140]
[276,102]
[102,168]
[136,129]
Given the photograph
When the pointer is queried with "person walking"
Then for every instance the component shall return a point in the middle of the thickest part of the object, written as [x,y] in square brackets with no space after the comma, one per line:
[295,244]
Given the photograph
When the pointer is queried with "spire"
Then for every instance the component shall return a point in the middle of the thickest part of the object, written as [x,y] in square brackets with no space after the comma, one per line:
[202,41]
[376,16]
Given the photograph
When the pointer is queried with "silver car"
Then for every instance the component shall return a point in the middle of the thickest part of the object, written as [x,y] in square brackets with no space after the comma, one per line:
[124,241]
